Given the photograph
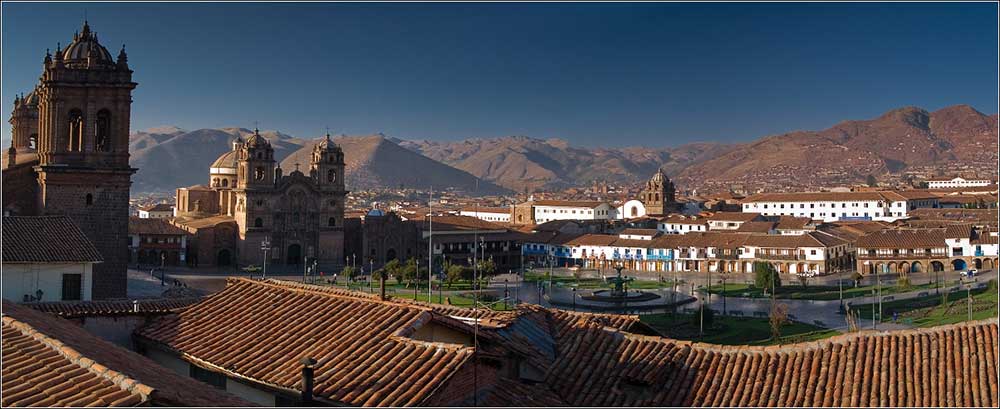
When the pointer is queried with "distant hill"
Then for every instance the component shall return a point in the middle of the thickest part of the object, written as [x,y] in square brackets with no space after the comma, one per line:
[169,157]
[374,161]
[894,141]
[519,162]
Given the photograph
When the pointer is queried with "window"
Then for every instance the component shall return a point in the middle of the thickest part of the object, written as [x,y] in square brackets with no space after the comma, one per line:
[212,378]
[259,173]
[331,176]
[90,199]
[258,222]
[72,287]
[75,130]
[33,141]
[103,143]
[225,182]
[331,222]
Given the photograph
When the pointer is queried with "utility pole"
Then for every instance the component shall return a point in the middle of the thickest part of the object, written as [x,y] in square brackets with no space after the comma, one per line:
[265,245]
[430,246]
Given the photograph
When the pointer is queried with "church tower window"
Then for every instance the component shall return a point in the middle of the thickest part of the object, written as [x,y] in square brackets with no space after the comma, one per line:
[90,199]
[259,173]
[258,222]
[332,222]
[225,182]
[103,131]
[75,130]
[331,175]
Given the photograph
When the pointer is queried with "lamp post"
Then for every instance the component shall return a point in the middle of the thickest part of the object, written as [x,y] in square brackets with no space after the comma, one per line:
[506,293]
[265,246]
[971,274]
[574,299]
[163,273]
[840,285]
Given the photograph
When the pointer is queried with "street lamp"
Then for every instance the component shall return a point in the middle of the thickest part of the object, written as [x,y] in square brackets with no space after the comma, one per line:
[971,274]
[574,299]
[506,293]
[265,246]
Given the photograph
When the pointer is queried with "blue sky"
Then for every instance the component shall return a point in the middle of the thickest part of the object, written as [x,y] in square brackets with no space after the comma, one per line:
[593,74]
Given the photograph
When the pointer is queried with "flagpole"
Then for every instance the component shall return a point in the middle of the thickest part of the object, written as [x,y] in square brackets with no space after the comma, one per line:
[430,246]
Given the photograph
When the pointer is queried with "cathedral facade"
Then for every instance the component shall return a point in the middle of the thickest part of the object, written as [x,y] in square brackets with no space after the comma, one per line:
[69,152]
[249,201]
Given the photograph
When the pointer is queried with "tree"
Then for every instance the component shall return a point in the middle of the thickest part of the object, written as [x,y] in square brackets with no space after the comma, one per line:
[922,185]
[453,272]
[764,273]
[349,272]
[487,268]
[409,272]
[390,269]
[779,317]
[857,278]
[870,180]
[708,317]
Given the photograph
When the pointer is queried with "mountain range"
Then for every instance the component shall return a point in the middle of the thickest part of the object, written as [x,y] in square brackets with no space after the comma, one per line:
[170,157]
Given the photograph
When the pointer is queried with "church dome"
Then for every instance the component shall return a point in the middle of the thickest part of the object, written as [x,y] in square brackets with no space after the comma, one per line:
[658,177]
[31,100]
[85,45]
[226,161]
[256,140]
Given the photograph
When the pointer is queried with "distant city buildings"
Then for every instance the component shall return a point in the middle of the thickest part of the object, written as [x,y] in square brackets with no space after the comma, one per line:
[157,211]
[833,206]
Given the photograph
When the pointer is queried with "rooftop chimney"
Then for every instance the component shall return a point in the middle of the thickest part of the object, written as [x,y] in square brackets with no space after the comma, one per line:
[307,379]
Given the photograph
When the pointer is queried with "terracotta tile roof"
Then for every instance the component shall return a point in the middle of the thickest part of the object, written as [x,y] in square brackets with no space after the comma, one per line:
[793,222]
[952,365]
[979,216]
[681,219]
[640,232]
[593,240]
[362,345]
[46,239]
[55,362]
[41,371]
[903,239]
[756,227]
[569,203]
[734,216]
[73,309]
[510,393]
[463,223]
[787,241]
[916,194]
[137,225]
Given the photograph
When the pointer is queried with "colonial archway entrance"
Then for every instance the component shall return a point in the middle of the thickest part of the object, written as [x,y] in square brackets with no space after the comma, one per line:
[916,267]
[224,258]
[988,264]
[978,263]
[294,254]
[937,266]
[958,264]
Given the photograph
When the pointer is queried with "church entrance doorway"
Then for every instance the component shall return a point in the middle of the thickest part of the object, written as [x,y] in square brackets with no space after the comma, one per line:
[223,258]
[294,254]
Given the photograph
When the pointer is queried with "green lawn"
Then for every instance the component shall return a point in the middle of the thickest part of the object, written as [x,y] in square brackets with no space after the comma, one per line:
[929,311]
[456,300]
[814,292]
[733,330]
[593,283]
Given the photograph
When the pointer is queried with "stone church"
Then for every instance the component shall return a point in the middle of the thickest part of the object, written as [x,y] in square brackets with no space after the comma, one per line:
[659,197]
[69,152]
[249,200]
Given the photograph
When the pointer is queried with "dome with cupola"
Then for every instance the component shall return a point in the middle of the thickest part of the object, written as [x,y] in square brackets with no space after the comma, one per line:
[85,47]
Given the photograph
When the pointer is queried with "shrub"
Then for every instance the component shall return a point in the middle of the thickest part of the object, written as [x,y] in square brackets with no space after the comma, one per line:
[709,317]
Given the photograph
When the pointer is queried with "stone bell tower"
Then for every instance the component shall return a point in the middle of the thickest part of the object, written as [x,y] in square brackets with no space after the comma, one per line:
[84,108]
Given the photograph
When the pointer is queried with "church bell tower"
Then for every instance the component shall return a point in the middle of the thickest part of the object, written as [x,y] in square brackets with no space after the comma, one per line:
[84,102]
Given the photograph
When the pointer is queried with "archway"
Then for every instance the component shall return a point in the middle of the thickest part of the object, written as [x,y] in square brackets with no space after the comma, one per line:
[904,267]
[223,258]
[892,267]
[294,254]
[390,255]
[988,264]
[958,264]
[978,263]
[916,267]
[937,266]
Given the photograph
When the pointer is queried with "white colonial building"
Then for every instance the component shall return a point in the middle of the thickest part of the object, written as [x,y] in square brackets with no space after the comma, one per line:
[838,206]
[681,224]
[631,209]
[956,182]
[490,214]
[47,258]
[549,210]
